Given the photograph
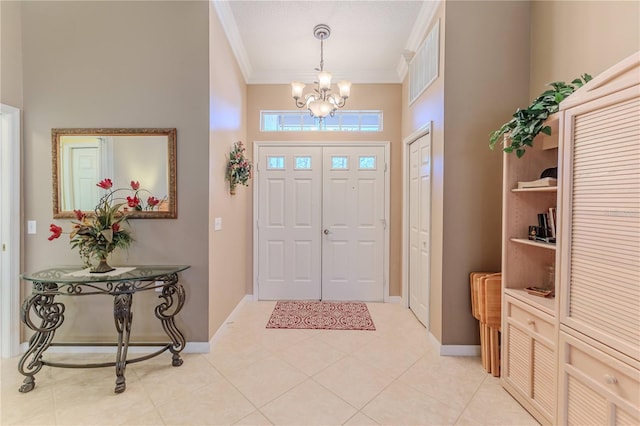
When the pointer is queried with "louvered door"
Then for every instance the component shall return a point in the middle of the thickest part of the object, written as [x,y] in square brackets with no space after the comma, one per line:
[601,221]
[529,370]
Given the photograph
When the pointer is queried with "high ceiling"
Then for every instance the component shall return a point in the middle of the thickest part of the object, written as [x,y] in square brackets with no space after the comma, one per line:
[274,41]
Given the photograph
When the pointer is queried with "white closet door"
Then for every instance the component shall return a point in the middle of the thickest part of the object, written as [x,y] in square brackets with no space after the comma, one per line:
[289,222]
[419,227]
[353,222]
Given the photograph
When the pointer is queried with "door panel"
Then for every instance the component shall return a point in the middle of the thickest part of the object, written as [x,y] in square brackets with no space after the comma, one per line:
[419,227]
[289,223]
[353,220]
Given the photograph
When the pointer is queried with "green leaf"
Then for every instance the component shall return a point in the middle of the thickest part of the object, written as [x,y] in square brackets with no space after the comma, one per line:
[546,130]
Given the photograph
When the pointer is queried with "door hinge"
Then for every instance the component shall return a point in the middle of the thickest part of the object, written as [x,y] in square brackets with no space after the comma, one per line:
[4,247]
[385,167]
[384,223]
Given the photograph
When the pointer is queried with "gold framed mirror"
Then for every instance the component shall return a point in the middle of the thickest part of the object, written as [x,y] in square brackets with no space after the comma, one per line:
[82,158]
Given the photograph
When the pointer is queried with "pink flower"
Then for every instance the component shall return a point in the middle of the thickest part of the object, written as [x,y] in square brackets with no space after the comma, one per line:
[105,183]
[79,214]
[135,185]
[153,201]
[56,231]
[133,201]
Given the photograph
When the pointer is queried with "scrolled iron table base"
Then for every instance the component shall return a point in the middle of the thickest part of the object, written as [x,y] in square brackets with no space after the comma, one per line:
[43,314]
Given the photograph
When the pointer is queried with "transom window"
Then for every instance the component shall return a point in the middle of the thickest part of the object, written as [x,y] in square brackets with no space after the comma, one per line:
[301,121]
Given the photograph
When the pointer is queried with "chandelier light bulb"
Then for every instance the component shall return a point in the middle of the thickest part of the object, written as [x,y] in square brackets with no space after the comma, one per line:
[345,88]
[324,80]
[296,89]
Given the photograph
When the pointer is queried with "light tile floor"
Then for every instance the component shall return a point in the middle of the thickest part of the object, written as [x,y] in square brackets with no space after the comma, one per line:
[259,376]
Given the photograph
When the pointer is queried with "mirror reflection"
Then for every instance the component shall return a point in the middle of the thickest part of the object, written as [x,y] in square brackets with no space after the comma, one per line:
[84,157]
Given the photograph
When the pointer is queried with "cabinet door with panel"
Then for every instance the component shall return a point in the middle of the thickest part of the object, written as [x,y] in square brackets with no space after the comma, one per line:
[600,240]
[596,387]
[529,371]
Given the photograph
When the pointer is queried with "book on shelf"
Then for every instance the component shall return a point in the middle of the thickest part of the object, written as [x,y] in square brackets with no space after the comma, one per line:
[551,221]
[539,183]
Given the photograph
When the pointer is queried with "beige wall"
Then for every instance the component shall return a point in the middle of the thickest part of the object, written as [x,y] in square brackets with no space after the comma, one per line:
[11,53]
[570,38]
[385,97]
[230,267]
[121,64]
[483,77]
[486,76]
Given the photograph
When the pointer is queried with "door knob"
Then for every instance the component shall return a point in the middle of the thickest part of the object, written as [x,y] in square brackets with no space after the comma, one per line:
[326,232]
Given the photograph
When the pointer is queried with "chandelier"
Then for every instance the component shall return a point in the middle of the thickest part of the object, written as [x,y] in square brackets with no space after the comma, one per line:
[321,102]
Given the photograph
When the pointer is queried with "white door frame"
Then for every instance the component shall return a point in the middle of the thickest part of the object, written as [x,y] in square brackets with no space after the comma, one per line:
[10,232]
[406,170]
[256,151]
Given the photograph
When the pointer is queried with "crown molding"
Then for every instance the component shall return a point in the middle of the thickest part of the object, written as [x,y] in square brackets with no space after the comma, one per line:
[228,22]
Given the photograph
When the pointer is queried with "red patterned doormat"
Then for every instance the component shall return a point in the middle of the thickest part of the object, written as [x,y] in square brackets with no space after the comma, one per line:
[321,315]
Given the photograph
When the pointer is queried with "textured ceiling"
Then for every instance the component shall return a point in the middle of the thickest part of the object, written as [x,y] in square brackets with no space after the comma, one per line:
[274,42]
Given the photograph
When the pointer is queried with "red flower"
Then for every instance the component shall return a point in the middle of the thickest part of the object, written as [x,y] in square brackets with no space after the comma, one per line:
[56,231]
[79,214]
[115,227]
[153,201]
[133,201]
[135,185]
[105,183]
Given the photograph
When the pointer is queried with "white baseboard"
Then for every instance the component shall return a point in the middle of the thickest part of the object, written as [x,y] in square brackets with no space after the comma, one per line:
[394,299]
[231,318]
[455,350]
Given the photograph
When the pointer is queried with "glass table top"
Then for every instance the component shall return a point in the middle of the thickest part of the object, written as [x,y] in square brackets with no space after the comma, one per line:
[77,274]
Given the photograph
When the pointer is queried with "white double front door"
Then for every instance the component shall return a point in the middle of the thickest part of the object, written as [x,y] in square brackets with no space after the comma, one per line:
[321,222]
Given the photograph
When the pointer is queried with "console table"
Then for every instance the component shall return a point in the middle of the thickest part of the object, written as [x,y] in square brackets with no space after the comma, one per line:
[43,312]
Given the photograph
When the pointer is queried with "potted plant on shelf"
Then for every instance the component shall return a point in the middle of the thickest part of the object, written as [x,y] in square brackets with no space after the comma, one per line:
[238,168]
[518,133]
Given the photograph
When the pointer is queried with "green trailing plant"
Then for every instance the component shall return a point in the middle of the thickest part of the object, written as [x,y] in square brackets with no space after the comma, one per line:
[527,123]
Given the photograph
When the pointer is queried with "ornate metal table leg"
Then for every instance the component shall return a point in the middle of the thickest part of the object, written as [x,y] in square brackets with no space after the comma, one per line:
[51,317]
[122,316]
[167,310]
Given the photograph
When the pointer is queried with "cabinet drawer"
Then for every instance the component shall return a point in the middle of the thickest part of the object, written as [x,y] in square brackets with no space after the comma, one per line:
[530,319]
[607,379]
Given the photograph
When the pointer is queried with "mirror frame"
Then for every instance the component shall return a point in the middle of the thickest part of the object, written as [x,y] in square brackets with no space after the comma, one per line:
[56,133]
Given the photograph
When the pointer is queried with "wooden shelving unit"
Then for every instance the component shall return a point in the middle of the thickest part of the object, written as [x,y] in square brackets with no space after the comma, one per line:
[529,322]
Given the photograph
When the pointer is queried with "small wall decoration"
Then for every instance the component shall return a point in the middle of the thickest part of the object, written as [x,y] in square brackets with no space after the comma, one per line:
[239,169]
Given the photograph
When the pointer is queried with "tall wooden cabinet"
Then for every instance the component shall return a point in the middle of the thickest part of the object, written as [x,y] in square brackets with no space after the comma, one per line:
[575,359]
[599,338]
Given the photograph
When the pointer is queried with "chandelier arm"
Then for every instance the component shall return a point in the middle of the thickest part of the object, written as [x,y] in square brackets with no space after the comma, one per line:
[300,104]
[338,101]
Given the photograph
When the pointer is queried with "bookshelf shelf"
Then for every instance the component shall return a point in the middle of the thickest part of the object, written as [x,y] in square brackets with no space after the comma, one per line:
[548,246]
[545,304]
[541,189]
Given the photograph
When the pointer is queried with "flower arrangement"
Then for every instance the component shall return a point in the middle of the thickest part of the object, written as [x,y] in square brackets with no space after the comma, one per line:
[238,167]
[98,234]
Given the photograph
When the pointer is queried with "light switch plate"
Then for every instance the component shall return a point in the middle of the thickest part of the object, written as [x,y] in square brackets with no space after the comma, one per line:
[217,224]
[31,227]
